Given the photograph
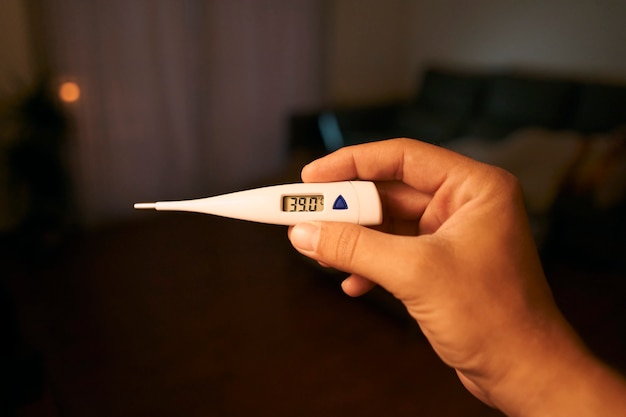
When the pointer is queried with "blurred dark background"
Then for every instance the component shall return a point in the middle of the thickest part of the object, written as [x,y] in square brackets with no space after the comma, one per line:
[106,311]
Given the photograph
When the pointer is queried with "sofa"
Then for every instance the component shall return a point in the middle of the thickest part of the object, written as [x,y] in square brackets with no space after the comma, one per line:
[564,138]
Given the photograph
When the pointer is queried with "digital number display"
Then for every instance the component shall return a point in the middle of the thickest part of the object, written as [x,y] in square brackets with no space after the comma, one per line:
[303,203]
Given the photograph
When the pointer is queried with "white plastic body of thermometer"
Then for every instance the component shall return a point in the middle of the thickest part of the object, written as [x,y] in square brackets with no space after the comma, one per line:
[288,204]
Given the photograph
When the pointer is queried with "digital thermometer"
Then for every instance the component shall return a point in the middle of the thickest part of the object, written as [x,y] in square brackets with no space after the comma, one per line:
[288,204]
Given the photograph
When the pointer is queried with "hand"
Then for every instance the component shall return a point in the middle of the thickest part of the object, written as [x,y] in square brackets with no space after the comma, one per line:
[456,248]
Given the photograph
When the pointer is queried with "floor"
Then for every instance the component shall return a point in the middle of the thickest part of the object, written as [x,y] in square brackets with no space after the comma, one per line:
[179,314]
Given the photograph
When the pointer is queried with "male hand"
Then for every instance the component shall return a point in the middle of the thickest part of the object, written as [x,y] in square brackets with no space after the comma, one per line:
[456,248]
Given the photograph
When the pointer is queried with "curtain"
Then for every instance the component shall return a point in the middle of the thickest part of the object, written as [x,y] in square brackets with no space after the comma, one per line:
[180,99]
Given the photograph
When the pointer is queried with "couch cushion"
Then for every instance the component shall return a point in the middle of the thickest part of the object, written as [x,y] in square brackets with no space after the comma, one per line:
[601,108]
[429,126]
[527,101]
[490,128]
[450,92]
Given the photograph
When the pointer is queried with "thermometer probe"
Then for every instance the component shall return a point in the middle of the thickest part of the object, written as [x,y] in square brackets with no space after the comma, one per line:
[288,204]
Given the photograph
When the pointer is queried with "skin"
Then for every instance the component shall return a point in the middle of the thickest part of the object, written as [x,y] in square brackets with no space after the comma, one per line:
[456,248]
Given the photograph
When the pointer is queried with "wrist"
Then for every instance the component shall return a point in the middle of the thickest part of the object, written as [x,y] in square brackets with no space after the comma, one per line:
[556,375]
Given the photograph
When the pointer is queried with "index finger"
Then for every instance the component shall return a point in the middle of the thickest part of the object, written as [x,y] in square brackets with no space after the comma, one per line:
[421,165]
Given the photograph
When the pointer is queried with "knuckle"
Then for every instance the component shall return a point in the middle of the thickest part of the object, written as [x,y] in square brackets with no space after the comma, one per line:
[346,240]
[508,184]
[499,181]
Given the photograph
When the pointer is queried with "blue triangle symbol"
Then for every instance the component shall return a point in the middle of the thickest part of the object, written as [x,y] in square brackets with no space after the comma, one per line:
[340,203]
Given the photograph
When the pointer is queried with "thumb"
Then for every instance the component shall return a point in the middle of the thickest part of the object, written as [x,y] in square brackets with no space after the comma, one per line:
[355,249]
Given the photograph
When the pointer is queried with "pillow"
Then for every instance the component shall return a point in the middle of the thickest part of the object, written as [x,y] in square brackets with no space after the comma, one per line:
[541,159]
[600,172]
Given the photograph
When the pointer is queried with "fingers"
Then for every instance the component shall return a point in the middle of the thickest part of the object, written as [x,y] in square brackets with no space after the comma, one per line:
[349,247]
[423,166]
[356,286]
[402,201]
[403,207]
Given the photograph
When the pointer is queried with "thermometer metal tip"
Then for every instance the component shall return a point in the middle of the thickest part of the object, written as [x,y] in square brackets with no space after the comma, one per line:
[145,206]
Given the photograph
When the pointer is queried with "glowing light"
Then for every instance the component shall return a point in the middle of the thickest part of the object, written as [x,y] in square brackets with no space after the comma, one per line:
[69,92]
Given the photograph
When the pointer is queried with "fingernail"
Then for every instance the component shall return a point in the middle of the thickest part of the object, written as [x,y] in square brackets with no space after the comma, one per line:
[304,236]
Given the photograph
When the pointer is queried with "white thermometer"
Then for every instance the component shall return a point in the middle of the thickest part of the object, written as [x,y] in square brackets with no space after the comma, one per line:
[288,204]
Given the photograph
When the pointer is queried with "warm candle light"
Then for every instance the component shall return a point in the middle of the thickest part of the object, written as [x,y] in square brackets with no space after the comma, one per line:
[69,92]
